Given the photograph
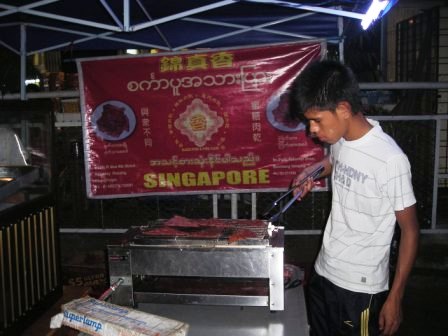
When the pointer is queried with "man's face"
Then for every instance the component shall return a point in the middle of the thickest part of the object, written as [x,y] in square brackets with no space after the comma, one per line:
[326,125]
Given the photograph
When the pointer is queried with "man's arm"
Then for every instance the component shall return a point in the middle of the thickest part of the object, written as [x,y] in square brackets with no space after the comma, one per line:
[390,316]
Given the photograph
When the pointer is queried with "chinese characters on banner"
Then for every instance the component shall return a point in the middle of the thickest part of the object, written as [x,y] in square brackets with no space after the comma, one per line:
[202,121]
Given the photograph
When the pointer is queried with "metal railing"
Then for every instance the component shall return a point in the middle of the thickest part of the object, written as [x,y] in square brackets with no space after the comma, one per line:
[100,215]
[29,264]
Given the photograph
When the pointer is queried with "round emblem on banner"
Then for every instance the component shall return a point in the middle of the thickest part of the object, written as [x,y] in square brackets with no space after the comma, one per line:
[113,120]
[277,112]
[200,120]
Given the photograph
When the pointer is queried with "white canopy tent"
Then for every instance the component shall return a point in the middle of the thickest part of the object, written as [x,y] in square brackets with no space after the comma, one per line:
[28,27]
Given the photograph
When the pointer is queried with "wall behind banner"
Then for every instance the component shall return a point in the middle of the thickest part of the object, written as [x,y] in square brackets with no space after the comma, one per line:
[194,122]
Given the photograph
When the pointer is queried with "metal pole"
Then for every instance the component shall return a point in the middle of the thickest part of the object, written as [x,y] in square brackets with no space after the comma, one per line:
[126,11]
[363,86]
[253,202]
[383,49]
[22,62]
[403,85]
[435,185]
[234,205]
[341,38]
[215,205]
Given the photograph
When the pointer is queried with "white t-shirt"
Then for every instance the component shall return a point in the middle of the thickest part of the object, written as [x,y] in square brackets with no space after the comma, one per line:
[371,179]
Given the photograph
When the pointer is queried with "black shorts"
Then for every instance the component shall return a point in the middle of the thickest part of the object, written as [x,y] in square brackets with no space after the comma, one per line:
[334,311]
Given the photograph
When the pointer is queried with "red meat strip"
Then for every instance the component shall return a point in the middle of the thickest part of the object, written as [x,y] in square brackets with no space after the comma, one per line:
[209,233]
[180,221]
[164,231]
[241,234]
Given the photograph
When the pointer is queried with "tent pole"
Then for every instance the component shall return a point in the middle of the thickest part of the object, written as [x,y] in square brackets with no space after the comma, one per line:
[341,38]
[383,50]
[22,62]
[126,20]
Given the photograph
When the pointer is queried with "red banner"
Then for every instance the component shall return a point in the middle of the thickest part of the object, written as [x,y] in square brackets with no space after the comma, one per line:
[194,122]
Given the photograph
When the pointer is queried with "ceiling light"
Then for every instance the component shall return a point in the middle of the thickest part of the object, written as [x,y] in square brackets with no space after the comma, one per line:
[376,10]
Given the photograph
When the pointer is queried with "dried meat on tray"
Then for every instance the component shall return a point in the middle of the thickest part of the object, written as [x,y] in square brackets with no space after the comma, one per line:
[180,221]
[232,230]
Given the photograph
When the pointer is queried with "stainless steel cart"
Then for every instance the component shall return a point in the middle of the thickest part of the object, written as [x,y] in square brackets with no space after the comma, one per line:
[210,271]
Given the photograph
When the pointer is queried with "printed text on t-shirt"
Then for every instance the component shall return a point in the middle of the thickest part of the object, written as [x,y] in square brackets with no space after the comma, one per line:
[345,174]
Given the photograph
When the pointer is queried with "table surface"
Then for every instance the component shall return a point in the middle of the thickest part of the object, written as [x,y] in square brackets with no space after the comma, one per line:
[239,321]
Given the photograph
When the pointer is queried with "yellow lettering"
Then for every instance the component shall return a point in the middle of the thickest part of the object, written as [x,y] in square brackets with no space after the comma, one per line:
[263,176]
[222,60]
[233,177]
[173,180]
[204,179]
[151,180]
[196,62]
[217,176]
[188,179]
[249,177]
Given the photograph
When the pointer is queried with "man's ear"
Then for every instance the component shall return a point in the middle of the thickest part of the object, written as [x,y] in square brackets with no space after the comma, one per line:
[344,110]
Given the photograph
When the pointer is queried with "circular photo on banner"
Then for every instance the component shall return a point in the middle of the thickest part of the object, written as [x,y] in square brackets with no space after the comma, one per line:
[277,112]
[113,120]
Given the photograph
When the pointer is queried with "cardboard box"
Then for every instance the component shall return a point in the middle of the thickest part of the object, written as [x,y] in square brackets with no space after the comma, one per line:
[99,318]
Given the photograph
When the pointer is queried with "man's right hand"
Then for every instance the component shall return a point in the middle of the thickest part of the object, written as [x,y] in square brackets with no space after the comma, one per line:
[308,185]
[305,187]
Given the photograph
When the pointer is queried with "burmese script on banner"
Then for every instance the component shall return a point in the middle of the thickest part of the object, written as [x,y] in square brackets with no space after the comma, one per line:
[194,122]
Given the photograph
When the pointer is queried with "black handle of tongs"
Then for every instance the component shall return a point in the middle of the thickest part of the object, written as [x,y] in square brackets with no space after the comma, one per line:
[314,174]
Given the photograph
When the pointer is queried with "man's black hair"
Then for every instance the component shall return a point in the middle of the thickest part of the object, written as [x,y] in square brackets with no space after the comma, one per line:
[323,85]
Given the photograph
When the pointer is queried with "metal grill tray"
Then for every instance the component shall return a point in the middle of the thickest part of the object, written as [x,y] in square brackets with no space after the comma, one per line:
[204,243]
[226,232]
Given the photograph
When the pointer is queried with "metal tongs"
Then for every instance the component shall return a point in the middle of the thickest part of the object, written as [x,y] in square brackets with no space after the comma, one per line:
[314,174]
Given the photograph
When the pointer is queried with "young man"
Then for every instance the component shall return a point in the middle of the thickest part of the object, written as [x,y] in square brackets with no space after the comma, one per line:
[371,190]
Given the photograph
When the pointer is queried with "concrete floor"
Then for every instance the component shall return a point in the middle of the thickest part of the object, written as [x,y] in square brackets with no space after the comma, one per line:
[425,309]
[424,305]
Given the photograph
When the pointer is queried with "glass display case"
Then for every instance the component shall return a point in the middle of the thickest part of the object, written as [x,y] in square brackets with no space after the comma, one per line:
[25,151]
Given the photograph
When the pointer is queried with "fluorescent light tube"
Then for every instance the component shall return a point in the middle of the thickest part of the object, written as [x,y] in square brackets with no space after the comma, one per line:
[376,7]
